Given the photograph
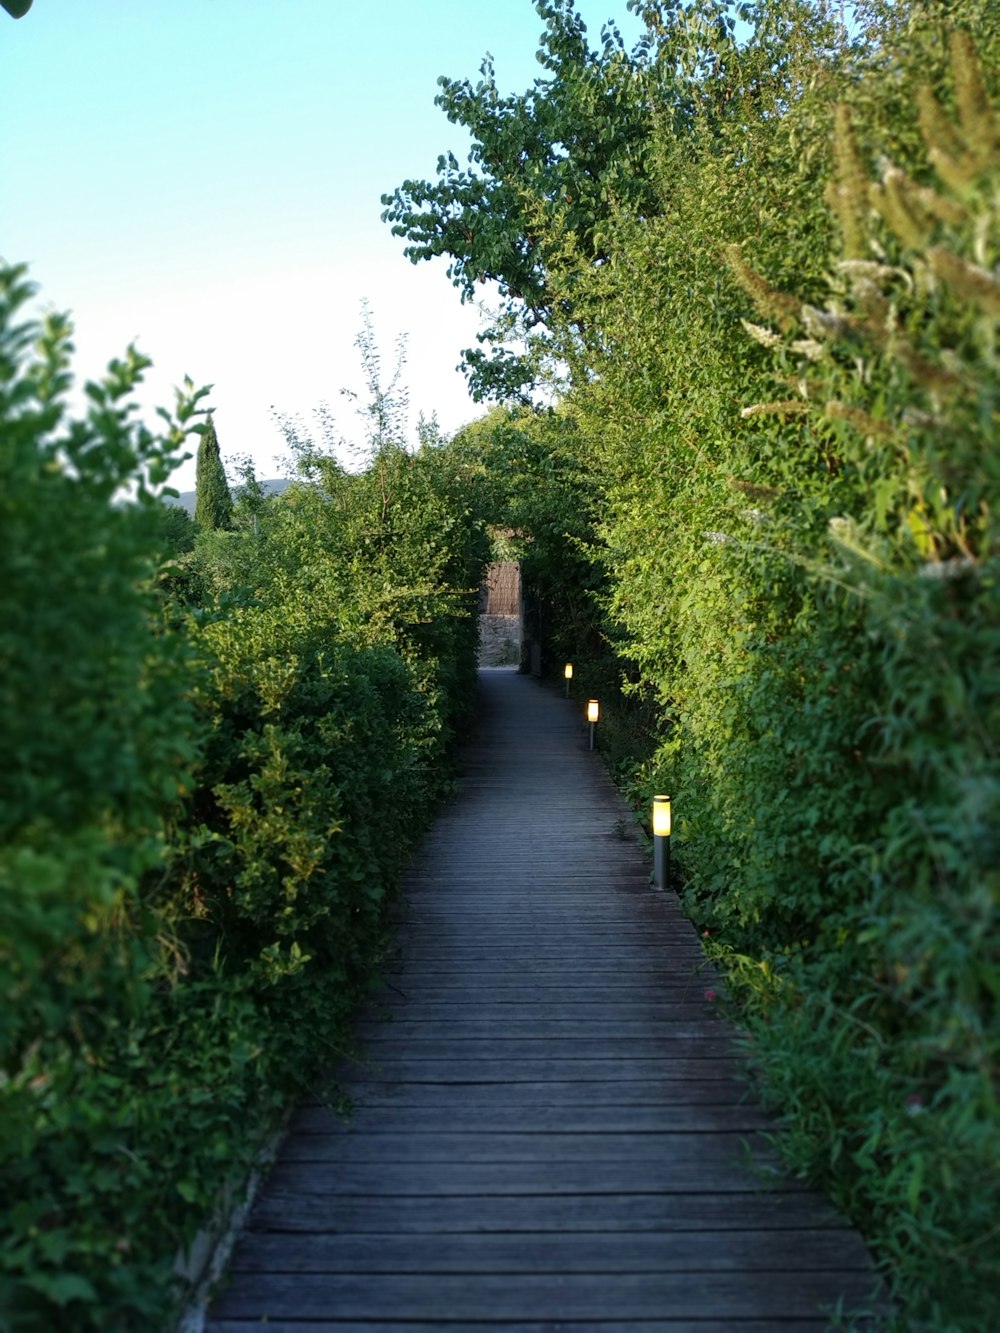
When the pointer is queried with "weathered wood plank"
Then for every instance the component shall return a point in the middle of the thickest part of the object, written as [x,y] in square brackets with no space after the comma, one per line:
[332,1324]
[552,1252]
[610,969]
[686,1155]
[517,1177]
[686,996]
[670,1026]
[430,1033]
[576,1044]
[564,1296]
[482,1069]
[612,1118]
[656,1015]
[454,948]
[581,989]
[292,1210]
[663,1093]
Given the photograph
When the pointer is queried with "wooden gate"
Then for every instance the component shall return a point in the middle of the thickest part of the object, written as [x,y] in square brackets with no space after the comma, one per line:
[500,615]
[503,589]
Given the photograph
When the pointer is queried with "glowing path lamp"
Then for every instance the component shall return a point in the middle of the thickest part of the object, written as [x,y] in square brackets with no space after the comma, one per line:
[661,842]
[593,717]
[568,676]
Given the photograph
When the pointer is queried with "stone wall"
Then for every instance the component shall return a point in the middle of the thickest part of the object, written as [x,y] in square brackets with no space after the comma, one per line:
[499,641]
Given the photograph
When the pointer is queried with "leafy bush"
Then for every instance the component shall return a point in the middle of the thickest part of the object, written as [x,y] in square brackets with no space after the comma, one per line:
[98,742]
[217,759]
[811,589]
[783,402]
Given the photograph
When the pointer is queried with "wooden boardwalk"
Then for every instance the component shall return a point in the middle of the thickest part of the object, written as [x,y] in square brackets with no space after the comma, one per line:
[551,1125]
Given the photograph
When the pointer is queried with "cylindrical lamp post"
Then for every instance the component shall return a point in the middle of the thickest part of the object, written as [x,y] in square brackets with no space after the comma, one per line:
[661,842]
[568,676]
[593,717]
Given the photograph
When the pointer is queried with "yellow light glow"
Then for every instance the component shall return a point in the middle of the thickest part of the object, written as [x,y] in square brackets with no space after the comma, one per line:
[593,710]
[661,816]
[568,670]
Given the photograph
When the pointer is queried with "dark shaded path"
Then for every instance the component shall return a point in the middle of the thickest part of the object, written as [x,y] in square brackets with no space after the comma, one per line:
[550,1129]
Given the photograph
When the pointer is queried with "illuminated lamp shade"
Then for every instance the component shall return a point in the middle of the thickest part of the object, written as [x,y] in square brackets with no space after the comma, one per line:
[568,671]
[661,816]
[593,710]
[661,842]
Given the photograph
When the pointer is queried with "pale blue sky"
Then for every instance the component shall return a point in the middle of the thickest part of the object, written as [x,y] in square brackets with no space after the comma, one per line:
[204,176]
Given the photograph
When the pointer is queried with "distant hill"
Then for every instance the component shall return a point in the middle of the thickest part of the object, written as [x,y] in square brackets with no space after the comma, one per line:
[274,486]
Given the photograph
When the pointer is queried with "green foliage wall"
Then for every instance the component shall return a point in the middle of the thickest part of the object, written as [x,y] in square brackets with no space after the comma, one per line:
[216,760]
[783,405]
[98,742]
[801,540]
[802,550]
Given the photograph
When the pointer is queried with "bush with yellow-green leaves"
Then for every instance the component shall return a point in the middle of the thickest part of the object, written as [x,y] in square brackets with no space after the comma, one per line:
[214,763]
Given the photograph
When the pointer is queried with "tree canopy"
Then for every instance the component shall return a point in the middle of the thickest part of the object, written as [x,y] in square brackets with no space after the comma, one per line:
[556,159]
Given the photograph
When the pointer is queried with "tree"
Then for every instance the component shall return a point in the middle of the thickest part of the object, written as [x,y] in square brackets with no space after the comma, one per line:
[214,504]
[175,529]
[556,159]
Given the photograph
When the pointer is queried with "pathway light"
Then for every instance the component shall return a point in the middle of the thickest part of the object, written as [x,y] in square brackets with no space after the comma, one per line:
[661,842]
[593,717]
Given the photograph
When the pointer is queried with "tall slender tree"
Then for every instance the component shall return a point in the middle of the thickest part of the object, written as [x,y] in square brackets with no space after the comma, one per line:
[213,501]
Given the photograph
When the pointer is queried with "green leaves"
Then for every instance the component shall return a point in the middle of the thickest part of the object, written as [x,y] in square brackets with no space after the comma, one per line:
[198,759]
[213,503]
[557,158]
[771,517]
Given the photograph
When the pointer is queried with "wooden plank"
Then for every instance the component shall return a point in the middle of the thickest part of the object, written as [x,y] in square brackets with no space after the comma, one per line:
[401,1176]
[332,1324]
[552,1252]
[463,1297]
[283,1210]
[620,973]
[683,1154]
[419,1035]
[672,1028]
[535,989]
[577,1118]
[532,988]
[540,944]
[482,1069]
[627,930]
[625,921]
[569,1094]
[577,1044]
[655,1013]
[600,970]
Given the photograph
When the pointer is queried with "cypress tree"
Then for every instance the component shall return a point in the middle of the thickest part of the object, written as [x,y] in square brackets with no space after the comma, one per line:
[213,503]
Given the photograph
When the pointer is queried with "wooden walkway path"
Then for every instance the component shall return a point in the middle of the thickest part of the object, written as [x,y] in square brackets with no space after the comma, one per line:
[551,1125]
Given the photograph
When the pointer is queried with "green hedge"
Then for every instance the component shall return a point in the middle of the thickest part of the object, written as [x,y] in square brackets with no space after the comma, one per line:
[801,537]
[215,763]
[783,432]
